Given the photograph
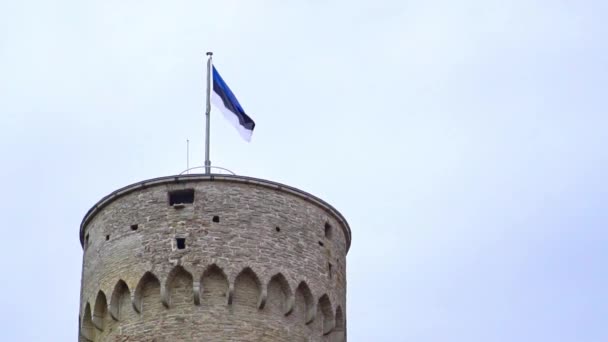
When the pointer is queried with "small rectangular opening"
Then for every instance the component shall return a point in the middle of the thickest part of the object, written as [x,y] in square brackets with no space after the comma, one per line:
[181,243]
[181,197]
[134,227]
[328,230]
[86,242]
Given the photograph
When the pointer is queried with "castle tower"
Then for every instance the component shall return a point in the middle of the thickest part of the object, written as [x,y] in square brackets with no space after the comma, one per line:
[213,258]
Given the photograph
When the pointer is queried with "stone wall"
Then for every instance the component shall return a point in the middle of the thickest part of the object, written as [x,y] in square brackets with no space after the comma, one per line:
[259,262]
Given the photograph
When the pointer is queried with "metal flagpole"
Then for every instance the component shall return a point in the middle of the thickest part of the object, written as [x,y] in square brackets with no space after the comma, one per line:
[208,114]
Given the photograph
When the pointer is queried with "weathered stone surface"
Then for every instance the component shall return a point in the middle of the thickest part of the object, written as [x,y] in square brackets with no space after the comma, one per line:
[272,269]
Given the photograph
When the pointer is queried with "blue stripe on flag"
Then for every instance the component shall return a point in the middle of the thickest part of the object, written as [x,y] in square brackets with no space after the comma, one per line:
[230,102]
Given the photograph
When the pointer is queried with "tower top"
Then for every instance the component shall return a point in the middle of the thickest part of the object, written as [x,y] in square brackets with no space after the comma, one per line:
[215,178]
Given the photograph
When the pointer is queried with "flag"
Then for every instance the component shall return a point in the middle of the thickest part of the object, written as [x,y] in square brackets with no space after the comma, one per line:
[223,98]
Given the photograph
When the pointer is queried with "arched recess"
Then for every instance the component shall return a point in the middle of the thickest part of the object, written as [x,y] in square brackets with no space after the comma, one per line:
[87,330]
[279,295]
[100,310]
[339,332]
[120,304]
[214,286]
[303,304]
[247,289]
[147,294]
[325,314]
[180,288]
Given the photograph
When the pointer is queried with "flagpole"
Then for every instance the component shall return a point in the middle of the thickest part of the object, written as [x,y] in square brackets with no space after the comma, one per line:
[208,115]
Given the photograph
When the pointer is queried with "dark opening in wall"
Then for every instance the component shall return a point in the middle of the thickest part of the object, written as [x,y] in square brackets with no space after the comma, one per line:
[277,229]
[86,240]
[107,237]
[134,227]
[216,219]
[181,243]
[321,243]
[181,196]
[328,230]
[330,269]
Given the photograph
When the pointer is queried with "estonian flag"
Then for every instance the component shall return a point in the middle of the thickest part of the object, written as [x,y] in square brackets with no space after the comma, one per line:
[223,98]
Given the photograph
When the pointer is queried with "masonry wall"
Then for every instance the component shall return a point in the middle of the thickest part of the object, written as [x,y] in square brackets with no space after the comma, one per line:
[261,262]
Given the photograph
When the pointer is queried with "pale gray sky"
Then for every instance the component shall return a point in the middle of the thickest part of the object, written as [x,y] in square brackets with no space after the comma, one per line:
[464,141]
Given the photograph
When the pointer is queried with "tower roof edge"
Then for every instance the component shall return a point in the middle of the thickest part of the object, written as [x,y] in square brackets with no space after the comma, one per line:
[215,178]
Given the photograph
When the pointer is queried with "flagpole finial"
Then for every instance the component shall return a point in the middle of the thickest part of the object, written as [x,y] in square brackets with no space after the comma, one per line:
[209,53]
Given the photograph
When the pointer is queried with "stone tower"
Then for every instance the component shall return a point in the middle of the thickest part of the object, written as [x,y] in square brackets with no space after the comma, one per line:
[213,258]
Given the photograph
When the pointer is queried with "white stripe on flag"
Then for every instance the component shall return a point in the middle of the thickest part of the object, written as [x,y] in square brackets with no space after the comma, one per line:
[230,116]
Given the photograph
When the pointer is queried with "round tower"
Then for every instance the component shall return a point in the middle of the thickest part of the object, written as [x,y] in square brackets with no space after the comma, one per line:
[213,258]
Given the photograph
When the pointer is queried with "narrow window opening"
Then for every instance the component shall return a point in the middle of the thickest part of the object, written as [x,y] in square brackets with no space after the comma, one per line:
[216,219]
[181,243]
[330,267]
[86,240]
[321,243]
[181,197]
[277,229]
[107,237]
[134,227]
[328,230]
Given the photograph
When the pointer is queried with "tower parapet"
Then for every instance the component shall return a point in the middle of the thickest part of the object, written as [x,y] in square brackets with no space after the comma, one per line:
[213,258]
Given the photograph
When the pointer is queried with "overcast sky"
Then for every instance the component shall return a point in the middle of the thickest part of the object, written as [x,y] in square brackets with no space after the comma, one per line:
[465,142]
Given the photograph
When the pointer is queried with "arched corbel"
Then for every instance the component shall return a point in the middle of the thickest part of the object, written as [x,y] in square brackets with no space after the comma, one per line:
[330,327]
[114,312]
[135,302]
[196,288]
[263,297]
[164,294]
[312,313]
[289,304]
[230,294]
